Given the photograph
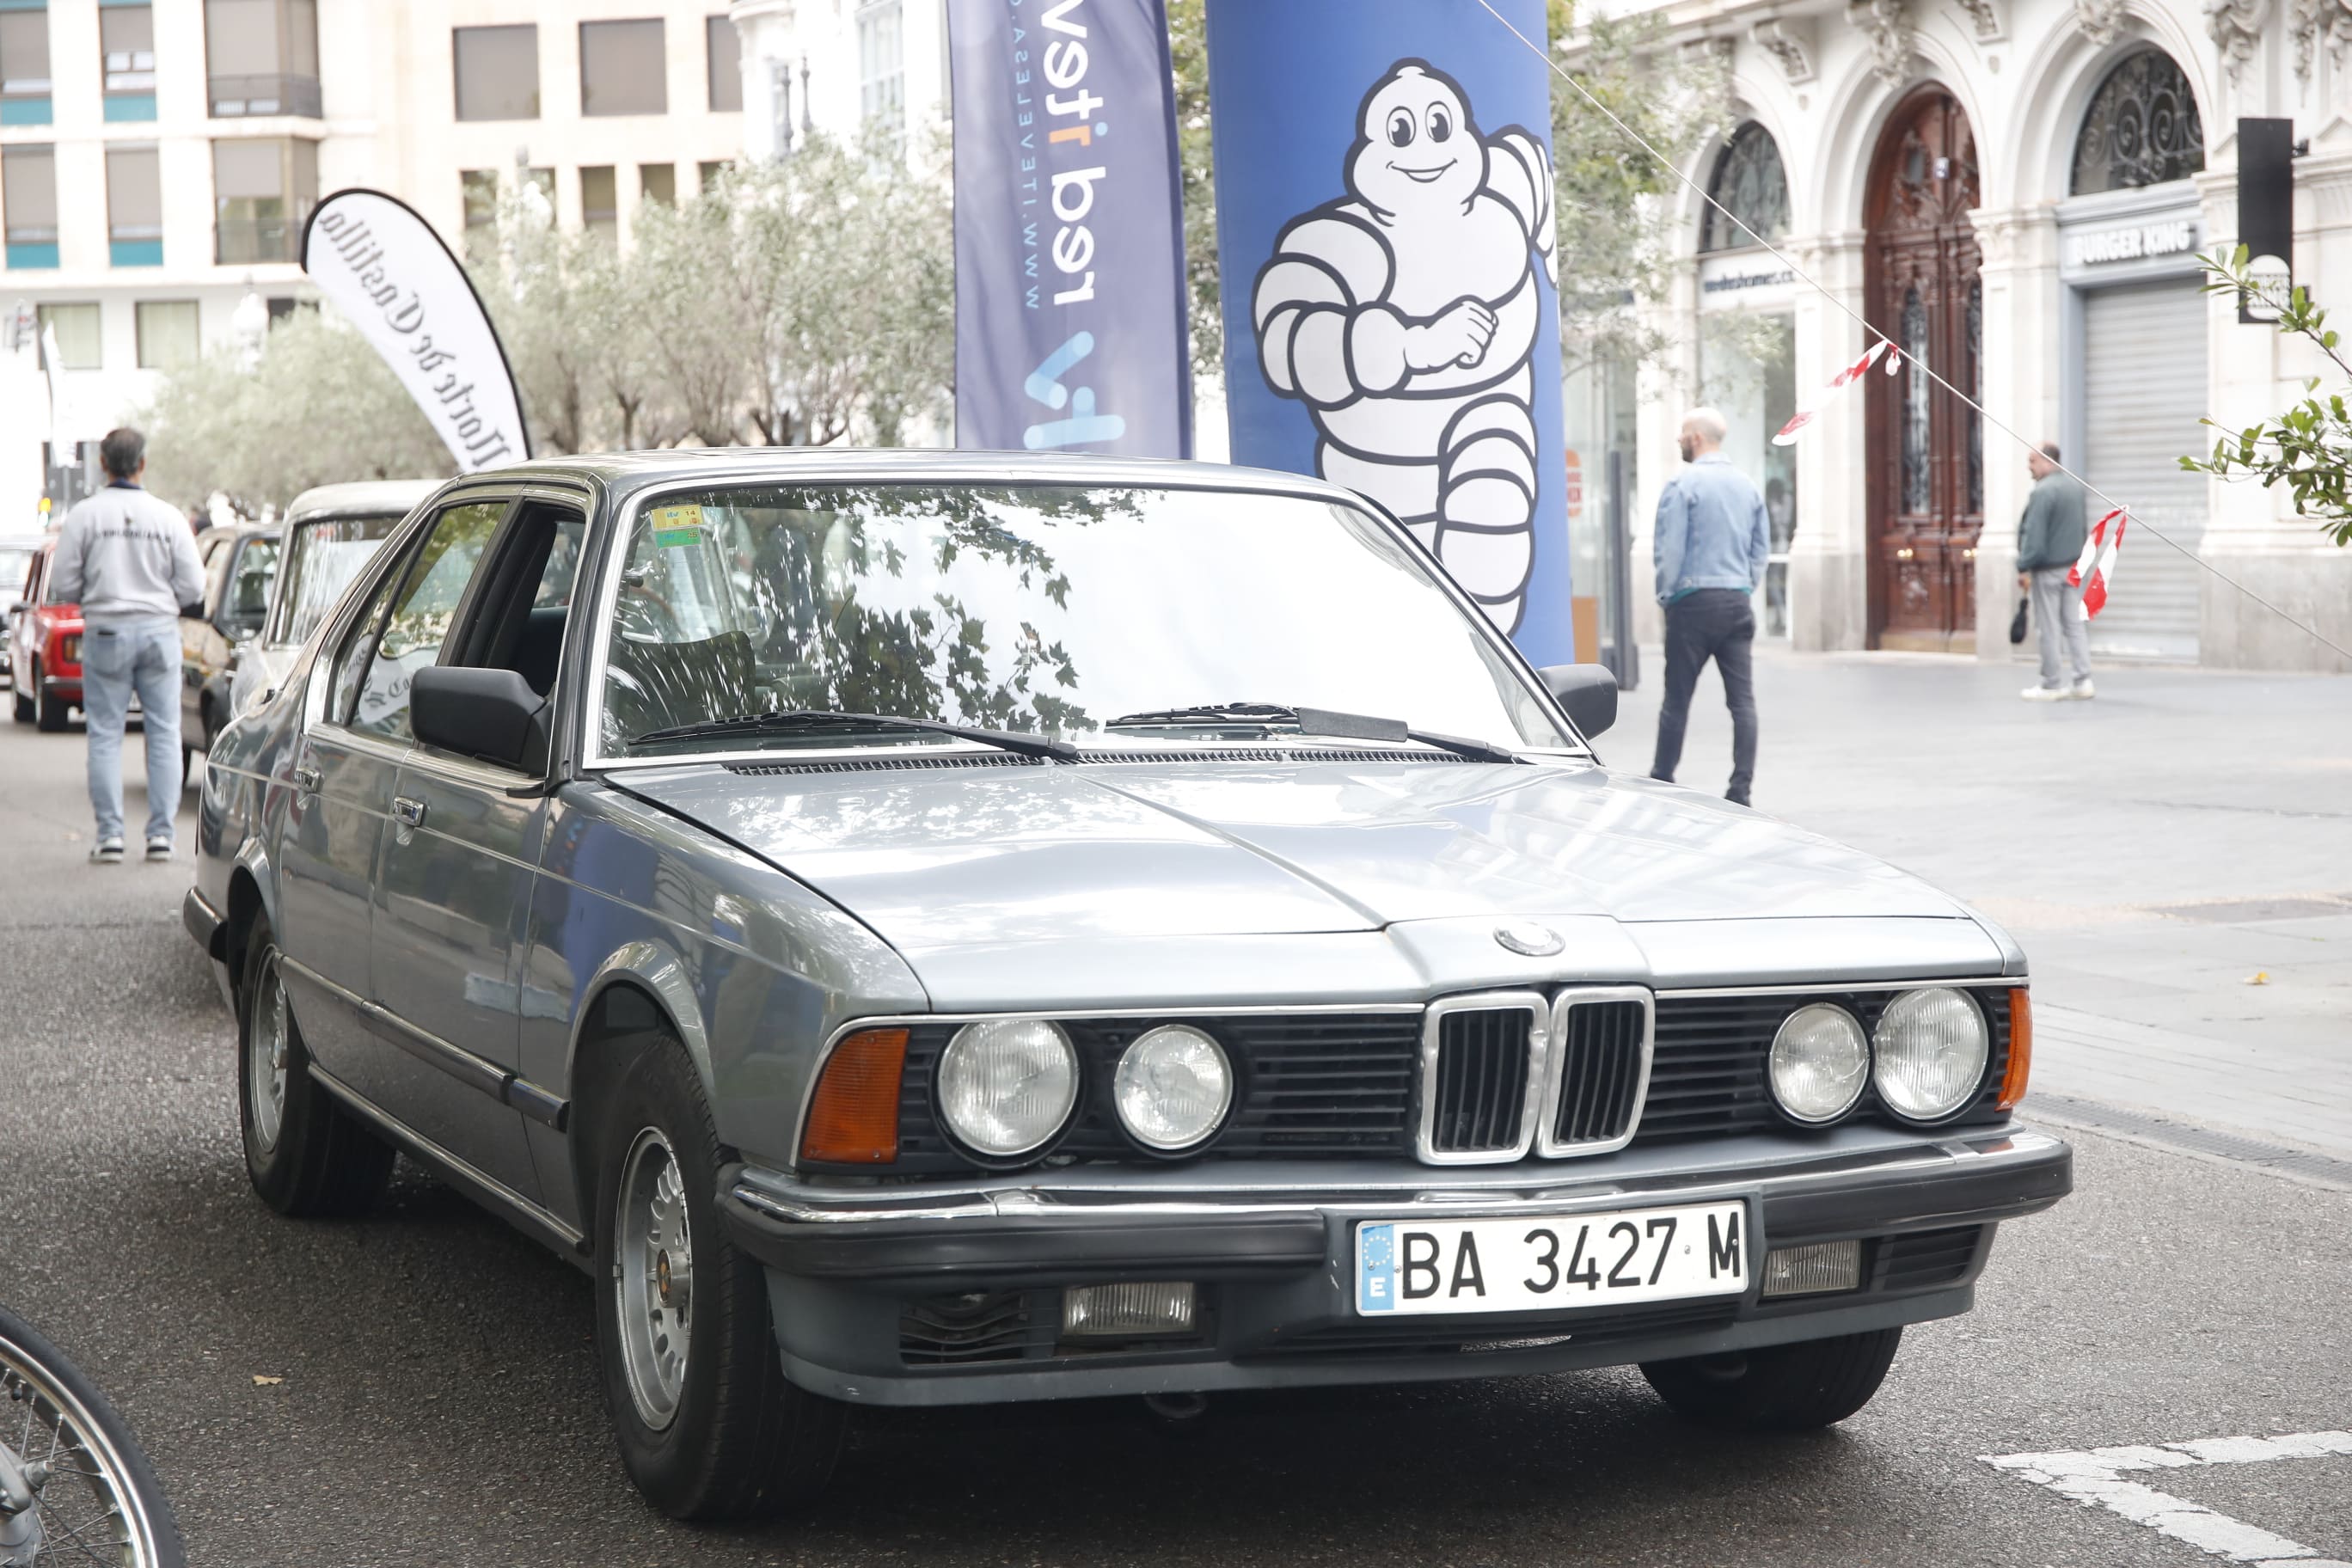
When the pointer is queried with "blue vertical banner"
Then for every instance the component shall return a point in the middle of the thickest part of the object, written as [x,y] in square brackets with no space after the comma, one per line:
[1384,221]
[1069,229]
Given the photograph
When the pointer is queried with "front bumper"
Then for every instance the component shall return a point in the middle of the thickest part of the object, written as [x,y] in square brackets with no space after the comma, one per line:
[852,1268]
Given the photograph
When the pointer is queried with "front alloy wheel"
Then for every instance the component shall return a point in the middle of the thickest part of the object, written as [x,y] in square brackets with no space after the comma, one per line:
[656,1256]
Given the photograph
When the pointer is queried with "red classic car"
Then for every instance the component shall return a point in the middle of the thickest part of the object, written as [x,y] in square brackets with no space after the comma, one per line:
[44,649]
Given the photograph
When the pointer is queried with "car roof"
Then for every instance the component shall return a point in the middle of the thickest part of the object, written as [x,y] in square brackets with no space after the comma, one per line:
[239,531]
[23,541]
[623,473]
[360,497]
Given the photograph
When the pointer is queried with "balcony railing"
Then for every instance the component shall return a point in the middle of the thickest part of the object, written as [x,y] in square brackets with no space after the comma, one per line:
[242,97]
[240,241]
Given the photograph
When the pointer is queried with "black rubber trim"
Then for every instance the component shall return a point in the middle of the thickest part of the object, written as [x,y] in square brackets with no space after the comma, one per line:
[1006,1248]
[538,1104]
[1864,1205]
[205,925]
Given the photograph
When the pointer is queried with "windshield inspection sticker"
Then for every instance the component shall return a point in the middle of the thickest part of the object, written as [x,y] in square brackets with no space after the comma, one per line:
[675,526]
[2095,1479]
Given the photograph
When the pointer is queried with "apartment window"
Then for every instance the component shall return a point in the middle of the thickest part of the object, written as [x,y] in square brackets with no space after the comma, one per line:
[600,202]
[134,207]
[261,57]
[497,72]
[478,188]
[28,199]
[263,191]
[658,182]
[24,66]
[126,42]
[167,334]
[726,52]
[77,335]
[710,172]
[882,68]
[622,69]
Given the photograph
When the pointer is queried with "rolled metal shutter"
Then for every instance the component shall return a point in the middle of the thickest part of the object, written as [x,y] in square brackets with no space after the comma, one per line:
[2144,387]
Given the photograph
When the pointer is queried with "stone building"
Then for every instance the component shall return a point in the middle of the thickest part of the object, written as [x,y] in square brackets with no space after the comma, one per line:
[2014,191]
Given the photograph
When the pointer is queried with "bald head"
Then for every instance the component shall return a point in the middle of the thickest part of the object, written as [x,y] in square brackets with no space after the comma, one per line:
[1702,432]
[2043,462]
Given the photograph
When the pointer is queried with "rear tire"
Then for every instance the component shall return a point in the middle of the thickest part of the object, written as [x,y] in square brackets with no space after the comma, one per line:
[1780,1388]
[53,710]
[709,1427]
[309,1158]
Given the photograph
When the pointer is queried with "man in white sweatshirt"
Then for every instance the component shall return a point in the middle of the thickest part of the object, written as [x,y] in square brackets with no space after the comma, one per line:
[130,561]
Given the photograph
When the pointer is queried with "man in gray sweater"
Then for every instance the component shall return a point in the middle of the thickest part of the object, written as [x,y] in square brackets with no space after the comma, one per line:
[129,561]
[2049,541]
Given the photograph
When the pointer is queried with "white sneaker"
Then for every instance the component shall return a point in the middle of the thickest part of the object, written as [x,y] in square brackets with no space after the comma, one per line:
[2082,691]
[2043,694]
[107,852]
[159,850]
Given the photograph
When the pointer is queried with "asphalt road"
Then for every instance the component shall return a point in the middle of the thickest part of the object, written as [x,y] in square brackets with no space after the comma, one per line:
[439,1401]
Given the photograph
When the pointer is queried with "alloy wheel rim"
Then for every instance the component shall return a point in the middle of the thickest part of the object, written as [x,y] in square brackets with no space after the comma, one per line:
[653,1263]
[265,1051]
[84,1506]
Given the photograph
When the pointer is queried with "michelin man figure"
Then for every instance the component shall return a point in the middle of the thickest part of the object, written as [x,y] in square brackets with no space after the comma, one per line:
[1404,315]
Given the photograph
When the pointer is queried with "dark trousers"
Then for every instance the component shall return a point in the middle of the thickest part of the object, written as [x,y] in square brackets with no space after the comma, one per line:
[1716,624]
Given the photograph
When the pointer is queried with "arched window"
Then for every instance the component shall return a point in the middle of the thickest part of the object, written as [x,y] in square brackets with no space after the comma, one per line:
[2142,128]
[1748,180]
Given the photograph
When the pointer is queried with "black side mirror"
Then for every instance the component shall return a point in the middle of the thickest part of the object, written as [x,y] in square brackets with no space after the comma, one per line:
[18,608]
[1587,691]
[492,714]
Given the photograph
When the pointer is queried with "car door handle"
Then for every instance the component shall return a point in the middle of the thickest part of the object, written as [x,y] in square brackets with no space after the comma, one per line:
[411,811]
[306,778]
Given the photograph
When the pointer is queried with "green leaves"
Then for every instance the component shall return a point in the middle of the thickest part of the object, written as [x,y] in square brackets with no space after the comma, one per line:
[2307,448]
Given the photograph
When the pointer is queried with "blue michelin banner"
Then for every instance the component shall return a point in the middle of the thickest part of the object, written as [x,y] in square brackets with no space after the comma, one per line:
[1069,229]
[1384,218]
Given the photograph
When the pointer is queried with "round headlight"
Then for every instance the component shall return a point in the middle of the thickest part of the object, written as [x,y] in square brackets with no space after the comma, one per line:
[1819,1061]
[1932,1047]
[1172,1087]
[1007,1085]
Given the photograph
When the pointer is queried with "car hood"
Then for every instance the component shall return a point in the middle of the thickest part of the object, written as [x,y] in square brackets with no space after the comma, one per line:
[986,854]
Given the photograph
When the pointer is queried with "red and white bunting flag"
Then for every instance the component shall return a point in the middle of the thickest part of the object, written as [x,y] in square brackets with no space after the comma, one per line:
[2094,570]
[1838,382]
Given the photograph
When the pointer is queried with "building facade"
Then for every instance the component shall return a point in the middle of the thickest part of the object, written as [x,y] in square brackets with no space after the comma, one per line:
[844,69]
[157,161]
[2015,192]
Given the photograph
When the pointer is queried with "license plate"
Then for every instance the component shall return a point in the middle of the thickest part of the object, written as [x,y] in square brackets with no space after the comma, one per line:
[1533,1263]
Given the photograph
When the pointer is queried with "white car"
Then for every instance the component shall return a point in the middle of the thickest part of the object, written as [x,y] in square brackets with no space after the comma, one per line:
[330,531]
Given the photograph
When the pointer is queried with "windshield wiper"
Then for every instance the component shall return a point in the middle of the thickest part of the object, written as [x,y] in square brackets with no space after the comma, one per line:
[801,720]
[1320,722]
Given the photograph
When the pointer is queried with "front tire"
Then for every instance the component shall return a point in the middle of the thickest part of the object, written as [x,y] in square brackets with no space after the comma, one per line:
[23,701]
[99,1499]
[1780,1388]
[709,1427]
[309,1158]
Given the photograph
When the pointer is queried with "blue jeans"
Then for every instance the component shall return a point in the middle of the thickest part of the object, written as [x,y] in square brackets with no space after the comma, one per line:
[1716,624]
[115,657]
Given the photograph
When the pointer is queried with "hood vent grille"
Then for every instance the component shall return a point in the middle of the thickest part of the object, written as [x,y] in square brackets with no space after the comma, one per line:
[1103,755]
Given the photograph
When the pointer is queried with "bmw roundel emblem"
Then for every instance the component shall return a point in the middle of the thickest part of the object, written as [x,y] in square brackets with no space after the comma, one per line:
[1534,941]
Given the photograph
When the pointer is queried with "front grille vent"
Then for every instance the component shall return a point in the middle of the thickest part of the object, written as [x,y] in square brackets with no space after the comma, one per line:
[1927,1258]
[1601,1050]
[967,1329]
[1478,1093]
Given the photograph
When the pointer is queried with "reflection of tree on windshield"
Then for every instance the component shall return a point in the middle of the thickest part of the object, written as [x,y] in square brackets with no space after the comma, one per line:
[739,601]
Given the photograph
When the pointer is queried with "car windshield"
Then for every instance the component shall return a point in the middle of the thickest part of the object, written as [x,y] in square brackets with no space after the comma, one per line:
[323,557]
[16,568]
[1050,609]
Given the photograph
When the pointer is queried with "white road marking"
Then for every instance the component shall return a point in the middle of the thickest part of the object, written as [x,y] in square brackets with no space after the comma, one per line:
[2095,1478]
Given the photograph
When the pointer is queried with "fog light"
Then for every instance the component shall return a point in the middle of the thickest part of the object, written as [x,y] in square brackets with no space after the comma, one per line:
[1813,1270]
[1126,1311]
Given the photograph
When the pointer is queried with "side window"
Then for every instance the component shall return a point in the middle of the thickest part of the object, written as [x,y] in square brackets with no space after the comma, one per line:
[430,590]
[246,602]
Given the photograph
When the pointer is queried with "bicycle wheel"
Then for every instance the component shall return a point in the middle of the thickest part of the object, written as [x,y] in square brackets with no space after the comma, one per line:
[74,1486]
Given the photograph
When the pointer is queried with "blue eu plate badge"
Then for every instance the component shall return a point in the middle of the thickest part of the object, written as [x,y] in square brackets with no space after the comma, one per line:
[1376,1268]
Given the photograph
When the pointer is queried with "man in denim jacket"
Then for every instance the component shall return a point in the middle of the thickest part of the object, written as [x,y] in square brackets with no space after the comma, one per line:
[1711,543]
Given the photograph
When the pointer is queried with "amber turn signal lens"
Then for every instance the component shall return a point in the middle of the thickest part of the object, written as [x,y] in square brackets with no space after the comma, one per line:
[2021,1048]
[853,1119]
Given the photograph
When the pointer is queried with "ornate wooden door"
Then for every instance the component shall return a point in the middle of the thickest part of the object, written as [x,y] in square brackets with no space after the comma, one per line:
[1926,446]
